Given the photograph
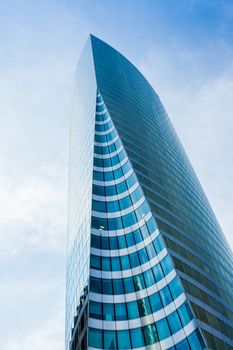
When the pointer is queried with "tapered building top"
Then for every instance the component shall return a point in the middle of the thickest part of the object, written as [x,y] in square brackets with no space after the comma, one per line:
[148,266]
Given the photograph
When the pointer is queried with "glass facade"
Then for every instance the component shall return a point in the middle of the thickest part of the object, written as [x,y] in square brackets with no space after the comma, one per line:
[148,265]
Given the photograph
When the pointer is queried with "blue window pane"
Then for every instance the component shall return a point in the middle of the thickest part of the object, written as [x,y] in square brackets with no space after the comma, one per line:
[137,236]
[120,310]
[151,224]
[134,259]
[174,322]
[104,243]
[125,203]
[121,187]
[131,180]
[176,287]
[95,241]
[159,244]
[158,273]
[185,313]
[98,162]
[155,301]
[167,265]
[137,338]
[116,264]
[128,285]
[115,160]
[132,309]
[183,345]
[144,231]
[118,173]
[106,266]
[110,340]
[95,310]
[165,296]
[113,243]
[130,239]
[98,175]
[95,262]
[150,334]
[143,257]
[95,338]
[126,167]
[115,224]
[151,251]
[163,329]
[113,206]
[121,242]
[194,342]
[122,155]
[108,176]
[144,307]
[110,191]
[149,278]
[123,339]
[139,283]
[136,195]
[125,262]
[107,286]
[118,286]
[108,312]
[107,163]
[129,220]
[99,190]
[99,206]
[95,285]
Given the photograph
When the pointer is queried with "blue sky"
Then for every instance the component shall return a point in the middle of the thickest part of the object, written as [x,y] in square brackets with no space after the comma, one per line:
[184,48]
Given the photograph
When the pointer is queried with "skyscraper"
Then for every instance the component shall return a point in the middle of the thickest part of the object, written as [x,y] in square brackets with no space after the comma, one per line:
[148,266]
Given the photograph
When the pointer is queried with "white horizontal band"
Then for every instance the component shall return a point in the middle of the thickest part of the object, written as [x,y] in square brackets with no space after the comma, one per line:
[117,196]
[103,133]
[123,231]
[125,251]
[141,321]
[114,182]
[102,122]
[170,341]
[117,214]
[108,143]
[102,112]
[109,155]
[130,272]
[122,298]
[99,103]
[111,168]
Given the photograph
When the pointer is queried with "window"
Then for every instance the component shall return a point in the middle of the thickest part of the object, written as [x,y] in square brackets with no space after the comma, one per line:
[125,262]
[120,312]
[175,287]
[107,286]
[163,329]
[128,285]
[106,264]
[185,313]
[123,339]
[150,334]
[155,302]
[95,262]
[118,286]
[95,338]
[149,278]
[132,308]
[137,338]
[138,282]
[108,312]
[134,259]
[95,285]
[158,273]
[174,322]
[129,239]
[109,340]
[165,296]
[116,264]
[95,310]
[121,242]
